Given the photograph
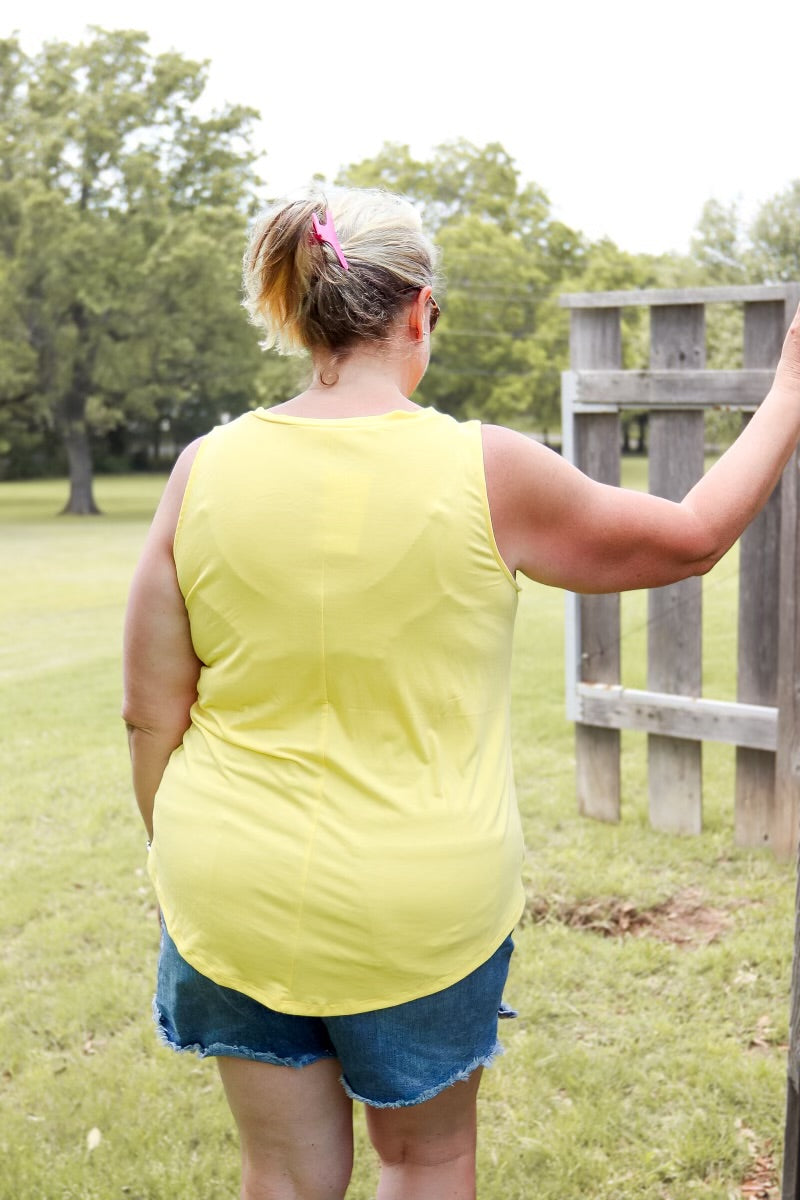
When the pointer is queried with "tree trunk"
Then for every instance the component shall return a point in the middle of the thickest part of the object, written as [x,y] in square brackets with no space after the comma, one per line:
[73,418]
[81,497]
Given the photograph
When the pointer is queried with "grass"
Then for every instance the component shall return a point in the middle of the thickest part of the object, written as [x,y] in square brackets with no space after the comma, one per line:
[638,1067]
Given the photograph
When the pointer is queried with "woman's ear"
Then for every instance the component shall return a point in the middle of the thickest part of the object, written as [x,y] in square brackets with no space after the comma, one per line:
[416,317]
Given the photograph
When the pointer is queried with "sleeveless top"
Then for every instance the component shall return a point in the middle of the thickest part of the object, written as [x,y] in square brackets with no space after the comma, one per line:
[338,831]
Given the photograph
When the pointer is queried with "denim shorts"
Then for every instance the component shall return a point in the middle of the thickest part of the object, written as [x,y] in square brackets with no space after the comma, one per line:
[390,1057]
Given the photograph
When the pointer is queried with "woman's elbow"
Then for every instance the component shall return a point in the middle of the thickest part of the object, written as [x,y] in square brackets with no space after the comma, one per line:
[707,553]
[661,566]
[704,565]
[687,563]
[171,717]
[705,537]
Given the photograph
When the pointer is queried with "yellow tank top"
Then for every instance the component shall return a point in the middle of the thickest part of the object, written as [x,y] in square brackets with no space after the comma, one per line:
[339,830]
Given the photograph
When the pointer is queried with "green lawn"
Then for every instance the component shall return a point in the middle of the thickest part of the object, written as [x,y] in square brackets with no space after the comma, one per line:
[640,1066]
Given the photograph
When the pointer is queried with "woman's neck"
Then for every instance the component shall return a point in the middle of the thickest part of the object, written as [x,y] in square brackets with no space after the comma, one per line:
[362,384]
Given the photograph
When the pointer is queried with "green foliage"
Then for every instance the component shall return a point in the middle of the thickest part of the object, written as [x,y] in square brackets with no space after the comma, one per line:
[501,342]
[775,237]
[122,215]
[460,179]
[718,251]
[485,362]
[125,213]
[725,250]
[609,269]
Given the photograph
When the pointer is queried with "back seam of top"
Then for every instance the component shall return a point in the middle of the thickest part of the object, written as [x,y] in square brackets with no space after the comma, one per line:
[323,759]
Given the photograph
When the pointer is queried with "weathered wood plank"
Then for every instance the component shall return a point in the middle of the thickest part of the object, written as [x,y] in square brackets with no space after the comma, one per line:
[787,774]
[754,801]
[790,1183]
[687,389]
[655,297]
[791,1147]
[764,330]
[793,1066]
[674,661]
[598,778]
[596,341]
[754,796]
[787,764]
[617,707]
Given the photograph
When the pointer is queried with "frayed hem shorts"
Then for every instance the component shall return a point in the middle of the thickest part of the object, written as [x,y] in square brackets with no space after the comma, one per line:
[390,1057]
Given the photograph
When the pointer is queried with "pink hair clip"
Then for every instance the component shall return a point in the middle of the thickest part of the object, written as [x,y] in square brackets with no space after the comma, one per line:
[326,233]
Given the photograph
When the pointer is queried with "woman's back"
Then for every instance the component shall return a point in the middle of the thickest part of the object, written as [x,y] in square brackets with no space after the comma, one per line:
[348,764]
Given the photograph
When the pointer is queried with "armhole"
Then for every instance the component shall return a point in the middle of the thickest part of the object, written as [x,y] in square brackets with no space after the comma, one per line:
[487,513]
[186,492]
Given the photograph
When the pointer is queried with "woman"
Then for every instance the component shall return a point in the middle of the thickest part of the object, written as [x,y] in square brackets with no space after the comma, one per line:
[317,678]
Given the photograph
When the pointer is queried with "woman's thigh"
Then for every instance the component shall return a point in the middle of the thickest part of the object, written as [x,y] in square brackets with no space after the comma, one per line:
[295,1125]
[430,1134]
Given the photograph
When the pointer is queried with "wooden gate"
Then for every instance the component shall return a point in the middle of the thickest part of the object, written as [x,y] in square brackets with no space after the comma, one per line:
[764,722]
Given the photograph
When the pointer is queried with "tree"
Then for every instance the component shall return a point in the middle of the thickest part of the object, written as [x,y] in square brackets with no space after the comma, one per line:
[121,204]
[461,178]
[485,360]
[775,237]
[718,249]
[502,340]
[724,251]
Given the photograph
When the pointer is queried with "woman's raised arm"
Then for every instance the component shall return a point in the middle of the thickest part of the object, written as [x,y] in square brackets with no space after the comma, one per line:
[557,526]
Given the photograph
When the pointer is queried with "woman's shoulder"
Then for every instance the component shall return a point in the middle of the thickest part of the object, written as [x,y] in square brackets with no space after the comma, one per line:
[168,512]
[184,463]
[510,452]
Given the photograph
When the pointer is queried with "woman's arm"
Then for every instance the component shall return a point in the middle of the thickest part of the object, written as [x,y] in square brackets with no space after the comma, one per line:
[557,526]
[160,667]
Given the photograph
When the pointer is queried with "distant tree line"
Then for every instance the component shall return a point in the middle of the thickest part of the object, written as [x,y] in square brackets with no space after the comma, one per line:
[122,221]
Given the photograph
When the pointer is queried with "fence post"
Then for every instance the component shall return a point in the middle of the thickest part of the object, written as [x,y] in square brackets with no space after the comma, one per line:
[596,342]
[672,710]
[790,1189]
[787,771]
[677,341]
[787,787]
[787,759]
[759,606]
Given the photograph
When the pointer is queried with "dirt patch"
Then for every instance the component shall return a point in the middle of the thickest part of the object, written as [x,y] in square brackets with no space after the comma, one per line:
[684,919]
[761,1178]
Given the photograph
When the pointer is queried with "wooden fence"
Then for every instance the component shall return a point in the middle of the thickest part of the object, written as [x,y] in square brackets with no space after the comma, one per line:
[764,722]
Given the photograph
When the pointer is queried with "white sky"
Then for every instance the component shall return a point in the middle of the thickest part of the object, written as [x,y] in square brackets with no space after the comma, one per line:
[629,114]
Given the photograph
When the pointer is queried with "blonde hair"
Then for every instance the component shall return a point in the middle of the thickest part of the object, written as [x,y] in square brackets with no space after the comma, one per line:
[296,289]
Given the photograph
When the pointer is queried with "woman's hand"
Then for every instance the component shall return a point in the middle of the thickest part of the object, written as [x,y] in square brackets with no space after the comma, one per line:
[788,372]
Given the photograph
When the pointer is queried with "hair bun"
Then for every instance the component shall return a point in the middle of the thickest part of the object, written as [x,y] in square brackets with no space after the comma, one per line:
[299,290]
